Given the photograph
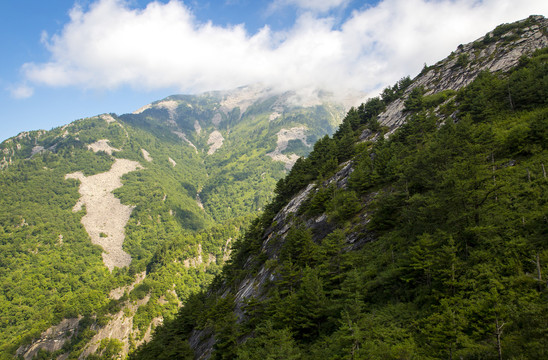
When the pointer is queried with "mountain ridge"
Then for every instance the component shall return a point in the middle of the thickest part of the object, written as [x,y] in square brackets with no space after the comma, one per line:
[486,53]
[272,298]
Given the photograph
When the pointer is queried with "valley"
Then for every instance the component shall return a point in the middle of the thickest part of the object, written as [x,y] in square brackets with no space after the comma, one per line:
[187,172]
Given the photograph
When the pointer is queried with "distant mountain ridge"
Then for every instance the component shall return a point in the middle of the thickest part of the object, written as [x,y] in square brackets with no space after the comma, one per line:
[114,190]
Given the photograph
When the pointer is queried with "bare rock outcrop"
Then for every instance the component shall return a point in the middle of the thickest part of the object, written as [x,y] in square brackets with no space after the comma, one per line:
[468,61]
[102,145]
[198,260]
[284,136]
[50,340]
[242,98]
[183,137]
[108,118]
[117,293]
[171,107]
[146,155]
[120,327]
[215,141]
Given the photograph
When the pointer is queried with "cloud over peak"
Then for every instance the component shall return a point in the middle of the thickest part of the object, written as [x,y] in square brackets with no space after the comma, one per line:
[111,44]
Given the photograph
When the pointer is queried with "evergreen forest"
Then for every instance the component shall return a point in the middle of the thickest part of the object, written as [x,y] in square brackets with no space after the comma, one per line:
[433,246]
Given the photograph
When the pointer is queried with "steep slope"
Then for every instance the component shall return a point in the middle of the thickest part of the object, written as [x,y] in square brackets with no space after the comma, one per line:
[87,207]
[498,51]
[417,231]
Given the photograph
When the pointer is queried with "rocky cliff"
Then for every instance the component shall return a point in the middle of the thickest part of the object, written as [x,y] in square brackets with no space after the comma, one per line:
[497,51]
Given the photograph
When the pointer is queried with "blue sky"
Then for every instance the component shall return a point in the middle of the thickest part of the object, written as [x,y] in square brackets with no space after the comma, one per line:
[64,59]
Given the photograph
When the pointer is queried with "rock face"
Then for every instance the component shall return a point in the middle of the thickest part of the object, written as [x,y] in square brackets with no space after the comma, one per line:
[284,137]
[199,259]
[242,98]
[254,286]
[119,327]
[493,52]
[116,294]
[51,340]
[102,145]
[486,54]
[146,155]
[215,141]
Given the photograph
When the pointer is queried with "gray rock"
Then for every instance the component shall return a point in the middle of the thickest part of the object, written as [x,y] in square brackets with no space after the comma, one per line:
[499,56]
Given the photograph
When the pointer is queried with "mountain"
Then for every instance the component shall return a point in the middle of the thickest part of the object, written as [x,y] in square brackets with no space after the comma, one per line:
[285,127]
[90,209]
[417,231]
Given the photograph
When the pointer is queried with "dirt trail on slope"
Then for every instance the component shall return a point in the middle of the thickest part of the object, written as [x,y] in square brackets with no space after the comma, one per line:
[106,217]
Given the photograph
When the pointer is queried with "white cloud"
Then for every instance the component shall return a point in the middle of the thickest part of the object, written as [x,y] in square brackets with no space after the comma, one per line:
[164,46]
[21,91]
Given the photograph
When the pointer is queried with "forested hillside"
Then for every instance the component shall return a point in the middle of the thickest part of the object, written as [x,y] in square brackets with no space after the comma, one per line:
[419,238]
[164,191]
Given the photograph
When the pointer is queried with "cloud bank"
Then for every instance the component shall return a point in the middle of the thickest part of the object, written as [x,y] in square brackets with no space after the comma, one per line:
[110,45]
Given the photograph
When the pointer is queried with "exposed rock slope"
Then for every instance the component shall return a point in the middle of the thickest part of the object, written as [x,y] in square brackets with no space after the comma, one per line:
[497,51]
[106,217]
[51,340]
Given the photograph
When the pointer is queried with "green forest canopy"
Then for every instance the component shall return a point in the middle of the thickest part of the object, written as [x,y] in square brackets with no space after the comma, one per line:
[458,265]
